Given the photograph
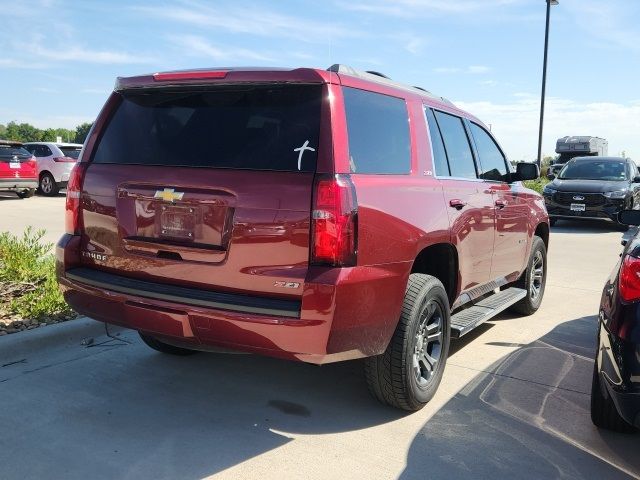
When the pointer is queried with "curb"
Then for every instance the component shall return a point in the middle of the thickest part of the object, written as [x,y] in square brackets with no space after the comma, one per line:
[64,334]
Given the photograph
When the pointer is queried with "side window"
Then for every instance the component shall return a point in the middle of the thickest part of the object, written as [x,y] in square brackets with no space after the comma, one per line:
[440,163]
[378,128]
[492,162]
[457,145]
[46,151]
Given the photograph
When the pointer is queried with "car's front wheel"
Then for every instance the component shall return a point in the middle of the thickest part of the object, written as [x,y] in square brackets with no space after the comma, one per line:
[408,373]
[533,280]
[156,344]
[48,185]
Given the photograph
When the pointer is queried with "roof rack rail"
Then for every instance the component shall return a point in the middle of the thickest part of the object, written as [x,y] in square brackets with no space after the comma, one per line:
[381,78]
[373,72]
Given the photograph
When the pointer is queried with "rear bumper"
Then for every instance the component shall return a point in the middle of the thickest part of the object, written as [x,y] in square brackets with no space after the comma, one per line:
[18,183]
[342,314]
[618,366]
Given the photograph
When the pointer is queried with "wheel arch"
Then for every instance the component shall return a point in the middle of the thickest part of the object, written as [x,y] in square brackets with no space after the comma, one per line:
[542,231]
[441,261]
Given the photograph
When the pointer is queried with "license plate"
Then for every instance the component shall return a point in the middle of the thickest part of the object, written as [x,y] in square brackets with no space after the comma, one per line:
[14,164]
[577,207]
[178,222]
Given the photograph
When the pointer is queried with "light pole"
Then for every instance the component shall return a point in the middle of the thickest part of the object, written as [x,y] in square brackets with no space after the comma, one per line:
[544,78]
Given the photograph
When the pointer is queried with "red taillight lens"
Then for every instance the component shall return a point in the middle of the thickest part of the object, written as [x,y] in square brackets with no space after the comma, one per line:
[64,159]
[194,75]
[629,283]
[73,218]
[334,222]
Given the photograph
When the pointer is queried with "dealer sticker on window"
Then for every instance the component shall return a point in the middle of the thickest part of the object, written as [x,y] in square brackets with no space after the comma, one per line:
[577,207]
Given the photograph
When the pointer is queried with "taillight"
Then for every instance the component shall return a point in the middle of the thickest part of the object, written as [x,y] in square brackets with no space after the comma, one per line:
[629,282]
[73,218]
[64,159]
[189,75]
[334,222]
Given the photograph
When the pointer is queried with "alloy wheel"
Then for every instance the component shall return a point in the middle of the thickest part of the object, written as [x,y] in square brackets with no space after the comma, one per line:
[46,185]
[428,344]
[537,276]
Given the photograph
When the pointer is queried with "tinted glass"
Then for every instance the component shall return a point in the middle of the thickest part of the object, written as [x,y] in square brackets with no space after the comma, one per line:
[72,152]
[239,127]
[30,148]
[378,127]
[439,154]
[10,151]
[492,162]
[457,146]
[43,151]
[595,170]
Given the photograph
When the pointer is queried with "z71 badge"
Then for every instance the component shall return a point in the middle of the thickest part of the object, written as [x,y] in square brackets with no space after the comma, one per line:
[286,284]
[95,256]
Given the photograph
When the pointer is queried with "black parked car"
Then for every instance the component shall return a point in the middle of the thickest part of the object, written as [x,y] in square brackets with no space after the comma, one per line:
[593,188]
[615,392]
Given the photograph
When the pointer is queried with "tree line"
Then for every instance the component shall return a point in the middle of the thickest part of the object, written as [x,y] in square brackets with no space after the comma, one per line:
[25,132]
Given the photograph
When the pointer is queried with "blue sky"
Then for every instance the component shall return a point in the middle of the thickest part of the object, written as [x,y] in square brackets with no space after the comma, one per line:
[59,58]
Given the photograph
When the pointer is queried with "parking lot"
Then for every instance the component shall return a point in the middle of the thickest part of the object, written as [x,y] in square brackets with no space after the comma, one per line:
[514,402]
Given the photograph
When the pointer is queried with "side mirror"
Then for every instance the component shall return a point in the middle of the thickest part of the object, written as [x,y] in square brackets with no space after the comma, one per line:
[629,217]
[551,176]
[636,179]
[526,171]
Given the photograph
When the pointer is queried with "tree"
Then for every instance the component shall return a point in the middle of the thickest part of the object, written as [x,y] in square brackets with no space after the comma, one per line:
[82,131]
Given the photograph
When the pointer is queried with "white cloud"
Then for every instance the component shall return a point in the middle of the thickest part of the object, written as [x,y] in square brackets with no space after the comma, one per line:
[79,53]
[412,8]
[617,23]
[414,45]
[472,70]
[198,46]
[256,21]
[516,124]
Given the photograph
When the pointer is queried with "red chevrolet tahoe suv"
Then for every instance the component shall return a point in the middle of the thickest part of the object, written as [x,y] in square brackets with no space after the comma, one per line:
[307,214]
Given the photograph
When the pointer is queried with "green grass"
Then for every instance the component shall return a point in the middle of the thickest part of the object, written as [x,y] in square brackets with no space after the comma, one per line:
[537,184]
[28,287]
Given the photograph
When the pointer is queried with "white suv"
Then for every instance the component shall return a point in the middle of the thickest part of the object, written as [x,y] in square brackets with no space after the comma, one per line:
[55,161]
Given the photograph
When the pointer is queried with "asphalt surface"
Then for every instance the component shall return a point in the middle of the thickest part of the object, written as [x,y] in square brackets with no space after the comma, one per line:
[514,401]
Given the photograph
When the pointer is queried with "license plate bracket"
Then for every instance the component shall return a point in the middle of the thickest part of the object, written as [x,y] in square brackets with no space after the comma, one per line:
[178,222]
[578,207]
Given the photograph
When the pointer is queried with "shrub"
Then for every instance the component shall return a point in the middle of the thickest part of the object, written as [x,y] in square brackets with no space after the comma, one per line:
[27,277]
[537,184]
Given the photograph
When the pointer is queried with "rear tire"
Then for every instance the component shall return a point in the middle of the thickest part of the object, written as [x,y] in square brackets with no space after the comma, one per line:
[48,185]
[533,280]
[165,347]
[28,193]
[408,373]
[603,411]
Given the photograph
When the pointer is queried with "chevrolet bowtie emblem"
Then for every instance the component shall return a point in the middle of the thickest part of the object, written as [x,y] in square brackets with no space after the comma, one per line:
[169,195]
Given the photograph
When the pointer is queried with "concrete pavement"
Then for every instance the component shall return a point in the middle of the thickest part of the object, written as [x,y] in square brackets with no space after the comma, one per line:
[514,402]
[39,212]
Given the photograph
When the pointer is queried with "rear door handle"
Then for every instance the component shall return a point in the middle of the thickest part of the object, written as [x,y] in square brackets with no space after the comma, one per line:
[501,204]
[457,203]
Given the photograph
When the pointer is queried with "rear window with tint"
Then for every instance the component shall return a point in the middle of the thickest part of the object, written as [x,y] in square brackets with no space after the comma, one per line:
[378,128]
[10,151]
[240,127]
[72,152]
